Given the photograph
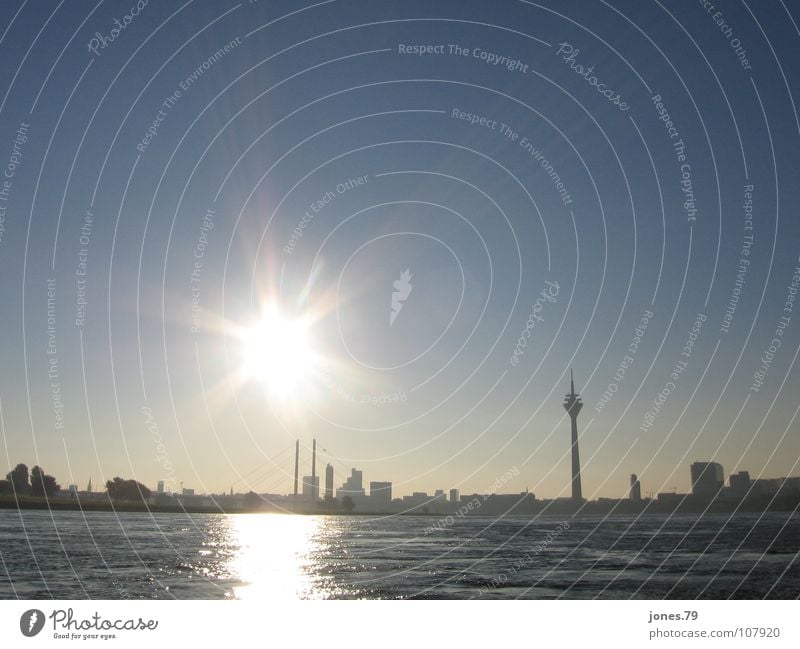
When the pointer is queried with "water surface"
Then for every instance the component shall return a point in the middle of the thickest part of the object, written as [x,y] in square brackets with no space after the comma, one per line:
[76,555]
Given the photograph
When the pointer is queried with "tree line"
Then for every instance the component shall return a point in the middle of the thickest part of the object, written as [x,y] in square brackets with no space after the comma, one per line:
[38,484]
[35,483]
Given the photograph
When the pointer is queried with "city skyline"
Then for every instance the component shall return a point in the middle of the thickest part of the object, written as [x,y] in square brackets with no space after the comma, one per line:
[707,481]
[402,300]
[253,230]
[706,477]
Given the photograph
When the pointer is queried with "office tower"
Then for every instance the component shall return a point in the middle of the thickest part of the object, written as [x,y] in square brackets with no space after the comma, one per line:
[454,496]
[354,482]
[89,486]
[310,488]
[740,483]
[573,405]
[160,487]
[329,482]
[352,487]
[380,494]
[636,488]
[707,479]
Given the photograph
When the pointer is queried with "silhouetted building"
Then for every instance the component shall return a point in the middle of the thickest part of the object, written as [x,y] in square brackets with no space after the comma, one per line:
[329,481]
[380,495]
[311,488]
[416,499]
[355,481]
[454,497]
[707,479]
[636,488]
[776,486]
[670,497]
[740,484]
[573,405]
[160,487]
[352,487]
[505,504]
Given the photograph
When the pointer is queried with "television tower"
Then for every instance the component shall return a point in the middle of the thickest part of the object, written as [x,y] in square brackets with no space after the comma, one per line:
[573,405]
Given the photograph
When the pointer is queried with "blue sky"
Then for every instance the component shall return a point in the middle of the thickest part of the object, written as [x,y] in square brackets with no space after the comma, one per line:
[257,111]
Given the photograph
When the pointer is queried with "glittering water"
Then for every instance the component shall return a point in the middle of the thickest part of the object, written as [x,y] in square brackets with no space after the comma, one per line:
[73,555]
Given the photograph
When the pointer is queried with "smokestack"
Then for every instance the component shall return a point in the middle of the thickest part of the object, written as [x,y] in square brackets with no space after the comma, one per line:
[296,464]
[314,470]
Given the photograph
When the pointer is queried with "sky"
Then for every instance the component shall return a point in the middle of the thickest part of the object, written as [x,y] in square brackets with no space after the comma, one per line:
[454,203]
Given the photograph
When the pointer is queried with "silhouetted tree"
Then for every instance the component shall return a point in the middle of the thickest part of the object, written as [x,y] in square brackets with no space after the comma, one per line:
[5,487]
[42,484]
[119,489]
[252,500]
[18,477]
[347,504]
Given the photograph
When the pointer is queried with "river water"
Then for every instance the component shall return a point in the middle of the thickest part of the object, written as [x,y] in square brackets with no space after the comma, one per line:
[103,555]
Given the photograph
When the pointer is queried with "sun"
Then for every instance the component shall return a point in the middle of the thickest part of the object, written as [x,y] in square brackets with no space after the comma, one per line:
[277,352]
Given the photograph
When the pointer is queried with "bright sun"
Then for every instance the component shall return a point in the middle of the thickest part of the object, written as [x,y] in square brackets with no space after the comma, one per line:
[277,352]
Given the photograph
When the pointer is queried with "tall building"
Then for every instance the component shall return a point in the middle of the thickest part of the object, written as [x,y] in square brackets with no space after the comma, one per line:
[356,480]
[329,481]
[636,488]
[707,479]
[160,487]
[740,483]
[573,405]
[352,487]
[454,496]
[310,488]
[380,494]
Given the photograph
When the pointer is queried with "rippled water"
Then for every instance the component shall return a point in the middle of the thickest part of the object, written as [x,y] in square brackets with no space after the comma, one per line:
[72,555]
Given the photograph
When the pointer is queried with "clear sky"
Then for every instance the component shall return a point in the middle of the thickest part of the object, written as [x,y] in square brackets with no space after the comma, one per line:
[609,187]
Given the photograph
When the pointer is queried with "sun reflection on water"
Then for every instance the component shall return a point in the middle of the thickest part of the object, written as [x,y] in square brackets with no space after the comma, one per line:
[275,556]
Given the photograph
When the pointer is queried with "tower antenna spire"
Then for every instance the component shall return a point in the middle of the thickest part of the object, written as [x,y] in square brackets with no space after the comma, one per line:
[573,405]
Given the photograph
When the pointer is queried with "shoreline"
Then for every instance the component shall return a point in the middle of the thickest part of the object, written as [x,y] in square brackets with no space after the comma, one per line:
[542,508]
